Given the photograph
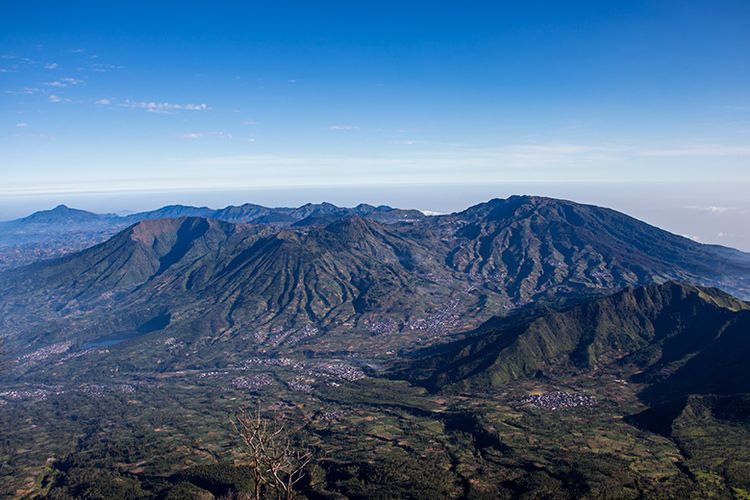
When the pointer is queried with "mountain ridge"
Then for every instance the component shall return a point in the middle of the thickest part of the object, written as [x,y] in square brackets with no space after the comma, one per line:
[426,279]
[680,339]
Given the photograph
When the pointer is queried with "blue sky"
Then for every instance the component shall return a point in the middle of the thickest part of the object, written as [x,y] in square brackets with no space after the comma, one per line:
[104,99]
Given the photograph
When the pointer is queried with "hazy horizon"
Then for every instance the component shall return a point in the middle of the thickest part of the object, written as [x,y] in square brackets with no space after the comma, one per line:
[709,213]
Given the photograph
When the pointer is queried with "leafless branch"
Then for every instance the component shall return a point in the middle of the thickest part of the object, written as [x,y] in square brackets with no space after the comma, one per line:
[277,464]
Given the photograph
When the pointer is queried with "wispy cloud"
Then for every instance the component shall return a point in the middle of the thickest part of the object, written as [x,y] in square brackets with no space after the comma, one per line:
[22,125]
[707,150]
[712,209]
[717,210]
[25,90]
[57,98]
[105,68]
[201,135]
[51,66]
[343,127]
[103,102]
[163,107]
[65,82]
[435,164]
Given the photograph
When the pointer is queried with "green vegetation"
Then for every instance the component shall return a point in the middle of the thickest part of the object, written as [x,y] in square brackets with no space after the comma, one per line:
[129,359]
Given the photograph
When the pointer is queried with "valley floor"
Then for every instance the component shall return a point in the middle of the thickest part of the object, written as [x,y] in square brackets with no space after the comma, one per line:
[371,437]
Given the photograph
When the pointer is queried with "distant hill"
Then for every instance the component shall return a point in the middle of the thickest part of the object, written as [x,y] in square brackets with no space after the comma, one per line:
[62,230]
[62,214]
[679,339]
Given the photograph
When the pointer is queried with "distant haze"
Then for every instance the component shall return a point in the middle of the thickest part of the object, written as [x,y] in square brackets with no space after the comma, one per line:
[709,213]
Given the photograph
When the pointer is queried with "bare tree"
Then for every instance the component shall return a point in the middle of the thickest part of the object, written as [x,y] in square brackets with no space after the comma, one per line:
[276,463]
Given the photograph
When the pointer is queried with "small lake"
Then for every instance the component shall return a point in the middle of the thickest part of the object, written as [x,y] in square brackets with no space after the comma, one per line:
[157,323]
[109,341]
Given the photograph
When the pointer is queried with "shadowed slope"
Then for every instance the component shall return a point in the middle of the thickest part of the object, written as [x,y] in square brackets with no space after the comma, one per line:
[683,338]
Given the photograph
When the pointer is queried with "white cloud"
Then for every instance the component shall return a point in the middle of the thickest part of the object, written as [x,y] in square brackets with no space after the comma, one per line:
[164,107]
[51,66]
[22,125]
[57,98]
[64,82]
[25,90]
[343,127]
[411,142]
[712,209]
[201,135]
[104,102]
[105,68]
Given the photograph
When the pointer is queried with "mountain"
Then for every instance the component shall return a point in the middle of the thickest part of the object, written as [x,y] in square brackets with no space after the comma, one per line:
[250,283]
[675,339]
[270,286]
[249,213]
[62,214]
[58,220]
[531,243]
[170,211]
[51,233]
[525,243]
[62,230]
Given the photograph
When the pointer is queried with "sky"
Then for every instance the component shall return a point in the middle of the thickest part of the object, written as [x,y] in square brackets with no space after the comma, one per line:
[639,105]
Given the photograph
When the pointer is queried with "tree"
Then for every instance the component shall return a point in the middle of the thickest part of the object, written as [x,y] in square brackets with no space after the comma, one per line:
[277,464]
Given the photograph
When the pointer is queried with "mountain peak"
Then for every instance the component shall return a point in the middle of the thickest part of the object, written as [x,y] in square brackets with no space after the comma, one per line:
[62,213]
[349,225]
